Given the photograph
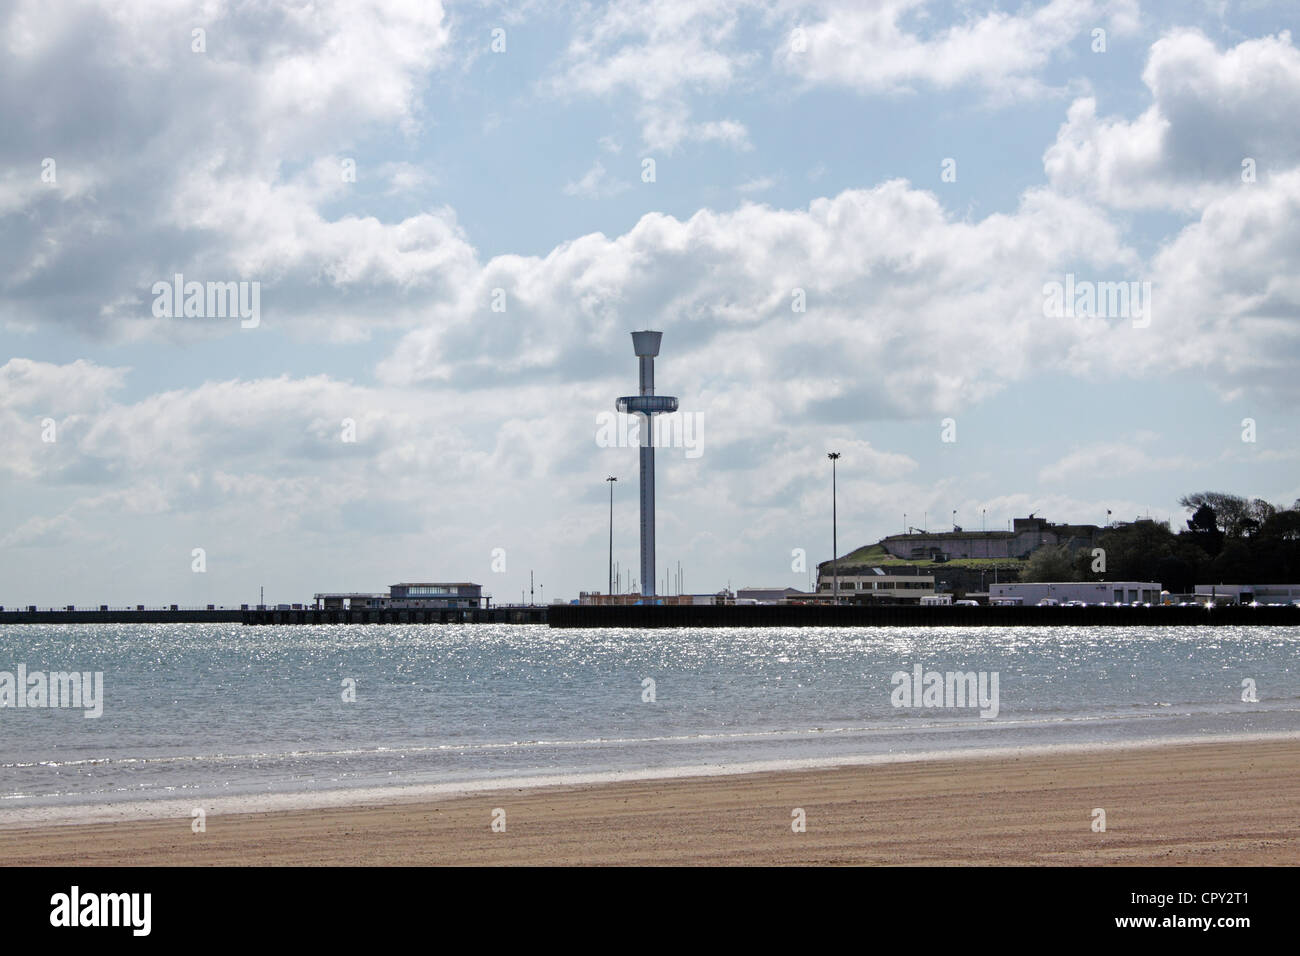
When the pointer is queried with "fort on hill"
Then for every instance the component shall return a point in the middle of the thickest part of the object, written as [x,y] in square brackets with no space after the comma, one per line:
[1026,536]
[964,560]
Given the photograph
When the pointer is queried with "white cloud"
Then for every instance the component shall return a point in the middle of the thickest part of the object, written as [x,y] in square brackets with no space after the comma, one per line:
[885,274]
[35,394]
[209,161]
[43,386]
[1229,291]
[41,532]
[596,183]
[671,55]
[666,126]
[727,131]
[661,54]
[657,51]
[1210,111]
[1226,300]
[869,47]
[1105,460]
[406,178]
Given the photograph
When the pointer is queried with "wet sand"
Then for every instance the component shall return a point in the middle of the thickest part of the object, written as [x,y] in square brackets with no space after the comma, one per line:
[1232,804]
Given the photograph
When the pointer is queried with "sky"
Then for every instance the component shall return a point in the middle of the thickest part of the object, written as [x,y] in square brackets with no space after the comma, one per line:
[856,223]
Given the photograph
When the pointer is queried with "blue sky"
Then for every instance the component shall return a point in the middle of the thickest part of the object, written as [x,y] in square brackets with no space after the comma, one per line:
[796,146]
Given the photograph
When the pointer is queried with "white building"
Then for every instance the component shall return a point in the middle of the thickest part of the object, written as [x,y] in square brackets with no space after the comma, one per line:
[1248,593]
[1090,592]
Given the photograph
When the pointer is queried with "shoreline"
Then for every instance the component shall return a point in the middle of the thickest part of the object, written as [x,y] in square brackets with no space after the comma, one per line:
[159,808]
[1229,800]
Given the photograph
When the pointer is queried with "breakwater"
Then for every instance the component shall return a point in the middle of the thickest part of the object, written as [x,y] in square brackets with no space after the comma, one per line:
[177,615]
[729,615]
[254,616]
[809,615]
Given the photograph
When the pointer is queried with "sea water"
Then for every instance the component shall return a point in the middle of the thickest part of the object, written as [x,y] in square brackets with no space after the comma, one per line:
[206,710]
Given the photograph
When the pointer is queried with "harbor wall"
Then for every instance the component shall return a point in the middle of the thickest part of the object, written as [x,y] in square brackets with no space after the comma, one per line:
[901,615]
[493,615]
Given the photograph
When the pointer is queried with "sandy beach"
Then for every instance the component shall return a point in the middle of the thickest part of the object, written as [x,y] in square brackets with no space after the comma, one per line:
[1205,804]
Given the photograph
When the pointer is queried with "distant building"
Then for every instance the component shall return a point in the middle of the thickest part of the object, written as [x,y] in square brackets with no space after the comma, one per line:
[408,595]
[349,599]
[875,585]
[1090,592]
[766,595]
[1248,593]
[597,597]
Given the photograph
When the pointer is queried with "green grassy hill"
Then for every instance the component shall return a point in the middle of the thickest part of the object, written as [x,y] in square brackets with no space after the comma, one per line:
[875,555]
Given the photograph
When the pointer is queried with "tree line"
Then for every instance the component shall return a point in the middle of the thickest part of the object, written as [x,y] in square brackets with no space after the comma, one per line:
[1228,539]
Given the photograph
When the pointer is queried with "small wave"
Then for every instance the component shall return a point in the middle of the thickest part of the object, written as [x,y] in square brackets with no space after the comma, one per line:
[921,721]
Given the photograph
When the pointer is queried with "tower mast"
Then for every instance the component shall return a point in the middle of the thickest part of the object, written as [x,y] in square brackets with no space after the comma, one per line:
[647,404]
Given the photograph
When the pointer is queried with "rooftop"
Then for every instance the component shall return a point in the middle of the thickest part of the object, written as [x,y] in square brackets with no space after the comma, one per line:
[436,584]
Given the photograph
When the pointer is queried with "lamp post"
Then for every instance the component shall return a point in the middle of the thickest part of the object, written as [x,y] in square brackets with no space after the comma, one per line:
[834,456]
[611,479]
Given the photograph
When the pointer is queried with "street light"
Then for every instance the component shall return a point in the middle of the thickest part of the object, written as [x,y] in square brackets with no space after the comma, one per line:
[834,456]
[611,481]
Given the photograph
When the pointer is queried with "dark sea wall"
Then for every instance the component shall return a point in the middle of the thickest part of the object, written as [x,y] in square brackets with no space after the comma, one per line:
[807,615]
[493,615]
[160,616]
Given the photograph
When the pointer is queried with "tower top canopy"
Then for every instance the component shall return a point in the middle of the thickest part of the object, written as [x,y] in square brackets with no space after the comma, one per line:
[646,343]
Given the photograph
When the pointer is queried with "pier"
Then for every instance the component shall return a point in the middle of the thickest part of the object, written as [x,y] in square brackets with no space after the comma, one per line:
[121,615]
[535,614]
